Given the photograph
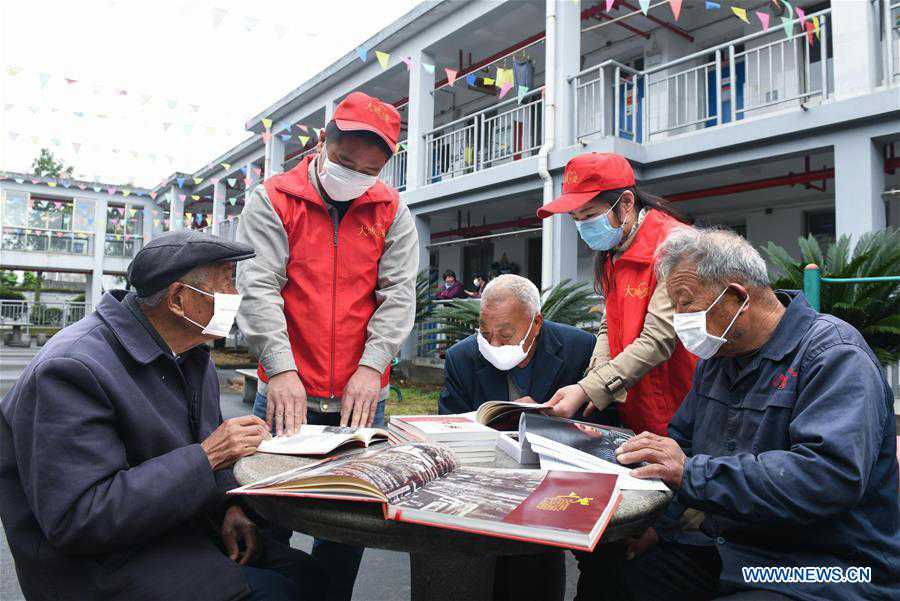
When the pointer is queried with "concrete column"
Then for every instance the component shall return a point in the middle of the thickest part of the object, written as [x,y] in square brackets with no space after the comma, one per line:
[176,208]
[858,185]
[95,279]
[855,38]
[218,209]
[250,181]
[423,230]
[559,246]
[274,160]
[149,231]
[329,111]
[568,58]
[420,119]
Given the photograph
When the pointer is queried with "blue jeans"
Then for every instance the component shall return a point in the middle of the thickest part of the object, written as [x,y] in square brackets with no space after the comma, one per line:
[282,573]
[339,560]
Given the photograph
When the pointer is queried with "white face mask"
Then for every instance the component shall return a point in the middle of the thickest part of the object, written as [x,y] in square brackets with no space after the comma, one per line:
[342,184]
[507,356]
[475,283]
[691,330]
[225,307]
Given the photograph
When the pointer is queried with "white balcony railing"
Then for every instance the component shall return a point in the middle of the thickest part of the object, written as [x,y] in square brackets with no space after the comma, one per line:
[122,245]
[31,239]
[701,90]
[891,12]
[394,172]
[29,314]
[228,228]
[507,131]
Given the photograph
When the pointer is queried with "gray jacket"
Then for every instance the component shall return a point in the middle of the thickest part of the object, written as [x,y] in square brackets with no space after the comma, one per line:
[261,317]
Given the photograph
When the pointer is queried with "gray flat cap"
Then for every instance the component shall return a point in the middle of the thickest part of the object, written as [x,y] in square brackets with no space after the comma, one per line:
[168,257]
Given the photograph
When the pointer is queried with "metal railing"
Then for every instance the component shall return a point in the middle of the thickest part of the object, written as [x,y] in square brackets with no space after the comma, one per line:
[507,131]
[30,239]
[29,314]
[122,245]
[705,89]
[394,171]
[891,12]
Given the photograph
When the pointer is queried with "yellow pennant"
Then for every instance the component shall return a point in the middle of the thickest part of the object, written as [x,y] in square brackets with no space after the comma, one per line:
[197,180]
[383,58]
[740,13]
[488,81]
[304,140]
[815,21]
[226,166]
[267,123]
[195,196]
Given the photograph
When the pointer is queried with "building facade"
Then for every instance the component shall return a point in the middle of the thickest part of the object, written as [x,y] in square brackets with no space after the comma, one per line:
[776,132]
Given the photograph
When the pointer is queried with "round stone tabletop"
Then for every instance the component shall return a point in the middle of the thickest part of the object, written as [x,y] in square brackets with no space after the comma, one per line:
[364,524]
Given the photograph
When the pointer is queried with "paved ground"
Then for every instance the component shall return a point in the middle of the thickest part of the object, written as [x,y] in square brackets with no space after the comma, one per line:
[383,576]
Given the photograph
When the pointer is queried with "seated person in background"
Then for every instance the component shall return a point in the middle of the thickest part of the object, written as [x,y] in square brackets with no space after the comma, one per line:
[786,441]
[451,288]
[479,282]
[114,458]
[516,354]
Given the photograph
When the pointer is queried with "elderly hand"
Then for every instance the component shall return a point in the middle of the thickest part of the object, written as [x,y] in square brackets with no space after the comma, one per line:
[664,456]
[234,438]
[637,546]
[286,403]
[360,399]
[567,401]
[238,527]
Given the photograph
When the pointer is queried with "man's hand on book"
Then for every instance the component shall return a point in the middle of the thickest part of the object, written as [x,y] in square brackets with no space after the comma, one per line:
[286,403]
[664,457]
[236,528]
[566,401]
[360,399]
[234,438]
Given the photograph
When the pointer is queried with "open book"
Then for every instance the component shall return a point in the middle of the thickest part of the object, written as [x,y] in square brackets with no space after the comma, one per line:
[321,440]
[504,415]
[568,444]
[423,483]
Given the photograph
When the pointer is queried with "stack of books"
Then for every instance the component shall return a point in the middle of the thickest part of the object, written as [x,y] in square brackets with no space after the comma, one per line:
[470,441]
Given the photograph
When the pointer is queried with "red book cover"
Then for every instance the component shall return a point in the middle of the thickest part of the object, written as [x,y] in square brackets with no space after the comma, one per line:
[566,500]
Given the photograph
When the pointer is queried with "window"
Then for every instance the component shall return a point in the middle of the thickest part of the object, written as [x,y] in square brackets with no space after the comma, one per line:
[15,208]
[124,230]
[821,226]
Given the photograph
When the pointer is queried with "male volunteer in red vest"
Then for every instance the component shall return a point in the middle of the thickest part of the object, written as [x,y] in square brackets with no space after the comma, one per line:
[330,296]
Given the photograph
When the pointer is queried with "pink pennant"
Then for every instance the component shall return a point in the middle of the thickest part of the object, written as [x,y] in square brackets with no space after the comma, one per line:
[763,19]
[675,5]
[609,5]
[303,128]
[266,136]
[505,88]
[111,190]
[248,180]
[181,197]
[153,195]
[257,171]
[451,75]
[801,13]
[408,61]
[82,186]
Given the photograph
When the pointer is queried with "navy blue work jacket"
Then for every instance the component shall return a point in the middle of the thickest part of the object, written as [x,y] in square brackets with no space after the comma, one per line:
[105,492]
[792,456]
[561,356]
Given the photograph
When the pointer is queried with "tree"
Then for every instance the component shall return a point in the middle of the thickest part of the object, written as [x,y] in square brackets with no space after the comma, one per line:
[46,165]
[873,308]
[8,279]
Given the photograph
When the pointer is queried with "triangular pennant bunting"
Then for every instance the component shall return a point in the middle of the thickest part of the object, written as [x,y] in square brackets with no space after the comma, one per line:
[451,75]
[740,13]
[763,19]
[383,58]
[675,5]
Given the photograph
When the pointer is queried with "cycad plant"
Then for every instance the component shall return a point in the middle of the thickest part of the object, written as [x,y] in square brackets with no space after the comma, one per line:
[568,302]
[872,308]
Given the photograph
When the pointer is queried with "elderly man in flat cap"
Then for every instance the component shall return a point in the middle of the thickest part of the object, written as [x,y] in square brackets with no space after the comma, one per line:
[114,458]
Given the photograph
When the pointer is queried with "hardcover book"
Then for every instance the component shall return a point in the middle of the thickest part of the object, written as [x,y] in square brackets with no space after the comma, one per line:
[425,483]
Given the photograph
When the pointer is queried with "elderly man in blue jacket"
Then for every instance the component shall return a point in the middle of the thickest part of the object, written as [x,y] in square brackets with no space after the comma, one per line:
[516,354]
[114,458]
[786,443]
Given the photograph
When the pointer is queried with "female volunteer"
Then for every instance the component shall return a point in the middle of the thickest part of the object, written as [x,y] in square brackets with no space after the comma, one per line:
[637,361]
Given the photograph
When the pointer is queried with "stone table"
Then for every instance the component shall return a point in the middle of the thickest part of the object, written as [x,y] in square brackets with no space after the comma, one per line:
[444,564]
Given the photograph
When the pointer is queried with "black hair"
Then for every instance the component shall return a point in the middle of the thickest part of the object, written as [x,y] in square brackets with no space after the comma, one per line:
[481,276]
[603,265]
[448,273]
[334,134]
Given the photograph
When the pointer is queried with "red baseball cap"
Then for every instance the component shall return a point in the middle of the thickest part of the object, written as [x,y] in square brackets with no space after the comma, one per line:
[586,176]
[361,112]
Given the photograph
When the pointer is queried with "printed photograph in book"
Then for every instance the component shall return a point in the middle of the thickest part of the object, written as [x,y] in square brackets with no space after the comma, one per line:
[321,440]
[424,483]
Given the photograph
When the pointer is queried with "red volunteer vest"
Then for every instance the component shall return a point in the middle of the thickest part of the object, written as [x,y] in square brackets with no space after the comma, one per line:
[331,276]
[651,402]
